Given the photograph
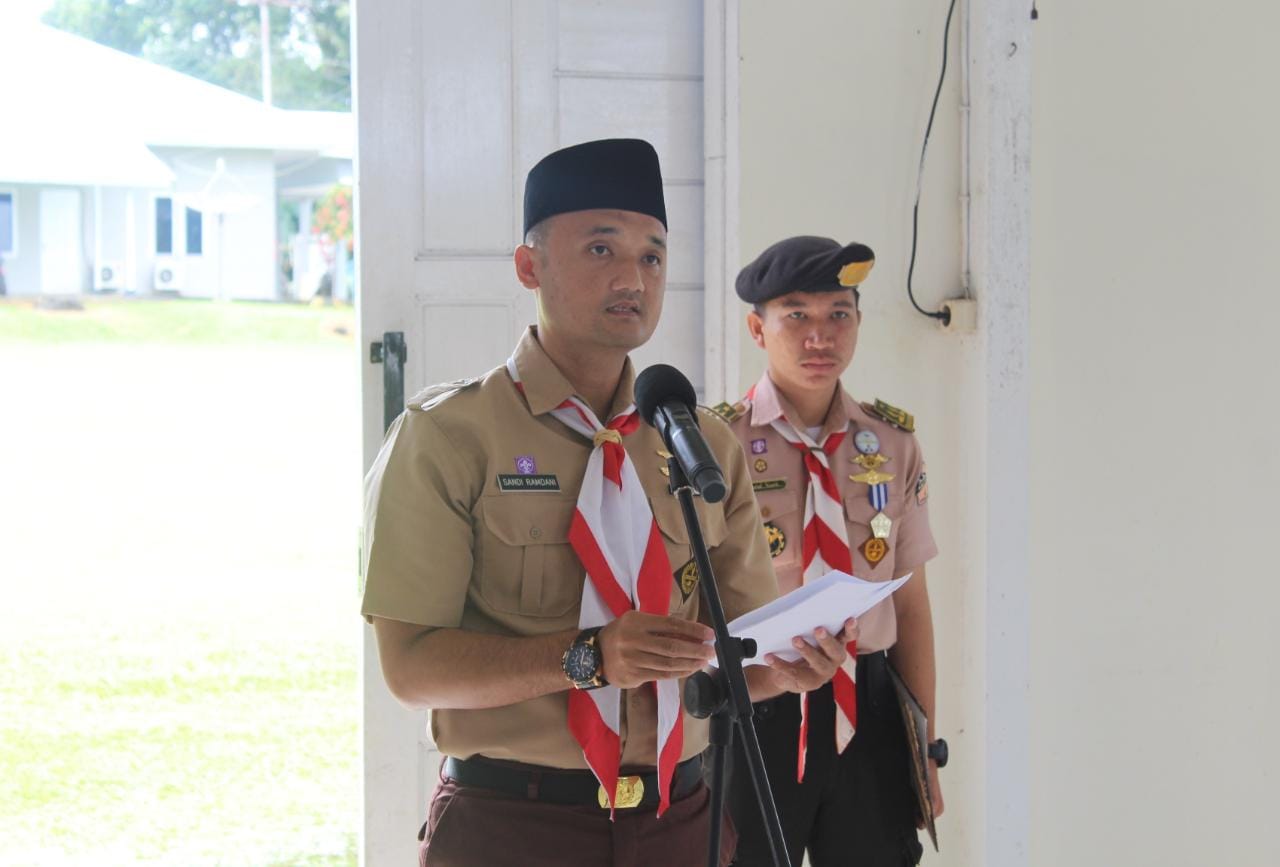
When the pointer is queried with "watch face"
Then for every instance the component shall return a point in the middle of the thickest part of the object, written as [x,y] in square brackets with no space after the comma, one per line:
[581,662]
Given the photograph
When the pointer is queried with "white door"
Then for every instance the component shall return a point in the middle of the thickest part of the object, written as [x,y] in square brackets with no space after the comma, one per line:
[61,255]
[454,103]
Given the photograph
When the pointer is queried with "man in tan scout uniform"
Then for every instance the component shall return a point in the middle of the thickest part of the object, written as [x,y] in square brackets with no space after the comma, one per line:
[855,806]
[486,502]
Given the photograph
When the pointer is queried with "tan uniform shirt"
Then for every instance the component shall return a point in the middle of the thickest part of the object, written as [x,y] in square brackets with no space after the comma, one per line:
[467,519]
[780,480]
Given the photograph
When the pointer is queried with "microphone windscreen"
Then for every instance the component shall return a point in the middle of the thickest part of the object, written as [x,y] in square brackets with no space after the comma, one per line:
[659,384]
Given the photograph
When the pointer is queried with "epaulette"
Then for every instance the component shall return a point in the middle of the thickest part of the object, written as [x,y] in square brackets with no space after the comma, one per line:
[901,419]
[713,412]
[434,395]
[729,412]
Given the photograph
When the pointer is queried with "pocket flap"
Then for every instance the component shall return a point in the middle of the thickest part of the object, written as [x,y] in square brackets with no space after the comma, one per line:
[859,509]
[528,519]
[666,511]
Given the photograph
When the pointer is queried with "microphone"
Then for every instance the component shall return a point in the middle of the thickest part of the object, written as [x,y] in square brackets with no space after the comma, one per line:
[666,401]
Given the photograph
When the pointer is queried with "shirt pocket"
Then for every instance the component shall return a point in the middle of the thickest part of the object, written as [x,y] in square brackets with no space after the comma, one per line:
[675,537]
[782,516]
[524,561]
[858,516]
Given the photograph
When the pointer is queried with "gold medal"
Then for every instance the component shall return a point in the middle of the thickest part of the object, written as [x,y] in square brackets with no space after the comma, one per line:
[881,525]
[870,462]
[874,550]
[777,539]
[872,477]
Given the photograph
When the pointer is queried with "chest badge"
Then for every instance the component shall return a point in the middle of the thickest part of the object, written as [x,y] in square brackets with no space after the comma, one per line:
[761,465]
[526,465]
[874,550]
[866,442]
[881,524]
[872,477]
[687,579]
[777,539]
[870,462]
[760,446]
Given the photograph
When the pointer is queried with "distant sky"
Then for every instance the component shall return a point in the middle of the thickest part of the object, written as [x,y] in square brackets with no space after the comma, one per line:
[23,10]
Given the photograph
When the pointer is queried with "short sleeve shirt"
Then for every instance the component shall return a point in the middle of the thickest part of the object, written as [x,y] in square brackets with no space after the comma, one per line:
[468,507]
[781,483]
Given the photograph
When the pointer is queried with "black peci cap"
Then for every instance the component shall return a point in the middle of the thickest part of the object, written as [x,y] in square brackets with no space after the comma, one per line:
[616,173]
[805,263]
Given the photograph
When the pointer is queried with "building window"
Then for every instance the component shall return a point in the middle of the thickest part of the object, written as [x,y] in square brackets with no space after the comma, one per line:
[8,225]
[164,225]
[195,232]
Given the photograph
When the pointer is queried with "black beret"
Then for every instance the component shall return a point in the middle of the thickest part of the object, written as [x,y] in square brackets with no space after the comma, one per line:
[805,263]
[618,174]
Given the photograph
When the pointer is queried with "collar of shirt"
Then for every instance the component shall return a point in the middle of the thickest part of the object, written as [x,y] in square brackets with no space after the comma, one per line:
[546,387]
[768,403]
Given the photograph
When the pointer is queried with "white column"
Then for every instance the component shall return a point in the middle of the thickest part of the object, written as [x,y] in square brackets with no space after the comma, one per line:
[1000,149]
[720,172]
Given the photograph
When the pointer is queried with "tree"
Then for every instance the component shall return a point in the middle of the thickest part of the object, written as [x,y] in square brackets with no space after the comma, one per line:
[219,41]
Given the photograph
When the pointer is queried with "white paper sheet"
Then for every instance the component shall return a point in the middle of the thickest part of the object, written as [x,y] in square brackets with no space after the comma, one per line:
[827,602]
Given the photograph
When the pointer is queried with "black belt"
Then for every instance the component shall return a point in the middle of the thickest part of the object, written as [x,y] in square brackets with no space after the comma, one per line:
[558,786]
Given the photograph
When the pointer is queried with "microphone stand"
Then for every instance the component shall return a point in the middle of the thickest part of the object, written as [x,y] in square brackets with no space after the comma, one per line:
[723,696]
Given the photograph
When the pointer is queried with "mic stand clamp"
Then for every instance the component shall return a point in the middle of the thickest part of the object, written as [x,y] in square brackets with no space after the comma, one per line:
[723,696]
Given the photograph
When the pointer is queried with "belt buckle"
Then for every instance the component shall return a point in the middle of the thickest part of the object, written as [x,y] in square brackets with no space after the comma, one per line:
[628,793]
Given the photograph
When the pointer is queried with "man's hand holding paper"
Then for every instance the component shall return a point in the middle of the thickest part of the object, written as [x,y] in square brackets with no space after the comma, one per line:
[823,604]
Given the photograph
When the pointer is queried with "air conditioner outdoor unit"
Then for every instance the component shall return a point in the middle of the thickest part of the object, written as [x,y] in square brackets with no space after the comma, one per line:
[108,275]
[170,275]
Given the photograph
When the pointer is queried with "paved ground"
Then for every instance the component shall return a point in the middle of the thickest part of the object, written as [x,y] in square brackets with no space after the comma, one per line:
[178,634]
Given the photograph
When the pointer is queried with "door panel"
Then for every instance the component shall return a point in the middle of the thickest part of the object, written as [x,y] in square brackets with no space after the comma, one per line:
[61,255]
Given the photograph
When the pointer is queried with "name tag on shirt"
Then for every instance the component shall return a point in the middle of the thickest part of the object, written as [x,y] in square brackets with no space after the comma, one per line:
[769,485]
[515,482]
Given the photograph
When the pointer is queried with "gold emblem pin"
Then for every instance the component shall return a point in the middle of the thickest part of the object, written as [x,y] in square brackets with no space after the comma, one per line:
[855,272]
[872,477]
[777,539]
[870,462]
[687,579]
[761,465]
[874,550]
[629,793]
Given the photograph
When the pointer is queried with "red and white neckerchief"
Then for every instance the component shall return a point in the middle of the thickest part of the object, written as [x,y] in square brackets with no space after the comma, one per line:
[617,539]
[825,547]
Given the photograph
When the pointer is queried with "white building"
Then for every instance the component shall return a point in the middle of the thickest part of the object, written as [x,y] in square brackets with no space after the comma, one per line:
[117,174]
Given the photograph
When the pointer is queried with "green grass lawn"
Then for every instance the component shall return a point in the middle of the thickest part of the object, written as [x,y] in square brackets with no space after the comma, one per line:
[179,638]
[175,321]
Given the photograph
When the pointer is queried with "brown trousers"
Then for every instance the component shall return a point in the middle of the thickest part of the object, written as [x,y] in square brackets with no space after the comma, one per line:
[473,827]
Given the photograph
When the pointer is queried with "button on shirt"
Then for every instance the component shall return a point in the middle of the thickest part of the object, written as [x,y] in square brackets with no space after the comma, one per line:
[780,479]
[468,507]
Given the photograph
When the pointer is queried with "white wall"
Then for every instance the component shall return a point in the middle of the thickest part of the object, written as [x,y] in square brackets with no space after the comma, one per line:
[1153,426]
[1156,196]
[834,101]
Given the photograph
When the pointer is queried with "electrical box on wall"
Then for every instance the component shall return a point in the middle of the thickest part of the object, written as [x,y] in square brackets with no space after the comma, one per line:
[962,316]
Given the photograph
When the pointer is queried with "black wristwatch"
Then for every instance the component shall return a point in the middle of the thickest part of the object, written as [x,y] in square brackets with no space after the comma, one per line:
[582,662]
